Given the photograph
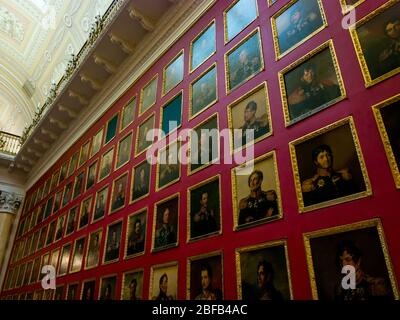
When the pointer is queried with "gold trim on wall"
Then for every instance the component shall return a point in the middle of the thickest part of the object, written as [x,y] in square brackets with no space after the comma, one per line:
[376,222]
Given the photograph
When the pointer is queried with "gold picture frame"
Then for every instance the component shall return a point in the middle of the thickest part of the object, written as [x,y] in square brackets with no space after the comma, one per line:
[83,287]
[153,114]
[180,54]
[179,145]
[108,276]
[104,262]
[97,137]
[344,4]
[160,266]
[132,215]
[93,233]
[132,186]
[131,100]
[162,112]
[126,136]
[154,78]
[125,274]
[93,220]
[90,200]
[372,223]
[121,176]
[82,160]
[112,150]
[116,114]
[71,265]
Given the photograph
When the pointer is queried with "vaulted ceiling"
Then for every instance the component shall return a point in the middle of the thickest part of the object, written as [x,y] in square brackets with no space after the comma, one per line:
[37,38]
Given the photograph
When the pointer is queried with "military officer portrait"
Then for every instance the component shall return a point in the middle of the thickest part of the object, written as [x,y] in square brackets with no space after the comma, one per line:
[255,193]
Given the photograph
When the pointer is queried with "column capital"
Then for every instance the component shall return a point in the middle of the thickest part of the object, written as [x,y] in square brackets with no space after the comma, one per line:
[10,201]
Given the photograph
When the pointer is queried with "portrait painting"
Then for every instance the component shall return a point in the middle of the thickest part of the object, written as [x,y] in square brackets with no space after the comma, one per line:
[88,288]
[34,243]
[93,249]
[311,84]
[72,164]
[171,115]
[78,186]
[128,114]
[106,164]
[204,214]
[132,285]
[111,129]
[256,192]
[54,181]
[49,206]
[27,274]
[48,294]
[203,46]
[46,189]
[348,5]
[295,23]
[100,206]
[148,95]
[41,211]
[238,16]
[34,217]
[164,282]
[173,73]
[97,141]
[124,151]
[165,223]
[60,227]
[50,233]
[77,255]
[329,167]
[21,273]
[84,154]
[54,258]
[118,193]
[63,173]
[86,209]
[59,293]
[376,40]
[64,260]
[144,139]
[263,272]
[113,242]
[387,115]
[67,194]
[136,234]
[205,277]
[204,144]
[359,247]
[91,175]
[168,165]
[244,61]
[72,291]
[249,118]
[38,295]
[72,220]
[108,287]
[141,181]
[42,237]
[203,91]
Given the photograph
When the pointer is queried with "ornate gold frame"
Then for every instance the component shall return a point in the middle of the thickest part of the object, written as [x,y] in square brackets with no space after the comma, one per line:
[103,262]
[344,4]
[159,266]
[385,138]
[62,293]
[270,3]
[226,63]
[112,275]
[87,143]
[278,54]
[100,132]
[292,146]
[205,29]
[55,176]
[376,222]
[65,164]
[357,46]
[47,234]
[76,156]
[65,215]
[155,77]
[162,112]
[189,262]
[83,285]
[261,158]
[226,40]
[110,211]
[192,116]
[61,256]
[100,232]
[132,186]
[268,113]
[101,161]
[130,133]
[179,145]
[82,186]
[71,265]
[260,246]
[189,190]
[116,128]
[137,212]
[153,234]
[77,219]
[90,197]
[105,204]
[327,45]
[123,280]
[94,163]
[123,110]
[189,153]
[77,290]
[176,57]
[71,183]
[153,114]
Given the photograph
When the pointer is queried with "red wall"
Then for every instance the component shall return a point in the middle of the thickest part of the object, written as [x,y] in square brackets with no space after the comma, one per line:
[383,202]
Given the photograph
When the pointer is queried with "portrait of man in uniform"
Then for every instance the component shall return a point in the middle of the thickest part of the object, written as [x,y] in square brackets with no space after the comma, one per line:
[164,282]
[93,250]
[72,220]
[132,286]
[96,143]
[105,165]
[136,233]
[203,91]
[173,73]
[128,113]
[141,181]
[142,143]
[112,245]
[88,290]
[124,151]
[202,47]
[100,205]
[91,177]
[297,22]
[60,228]
[359,249]
[166,224]
[168,165]
[107,288]
[118,194]
[86,209]
[206,278]
[72,292]
[67,194]
[78,185]
[205,209]
[148,95]
[77,256]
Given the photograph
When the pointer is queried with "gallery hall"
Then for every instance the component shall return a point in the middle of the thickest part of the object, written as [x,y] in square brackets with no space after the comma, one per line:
[188,150]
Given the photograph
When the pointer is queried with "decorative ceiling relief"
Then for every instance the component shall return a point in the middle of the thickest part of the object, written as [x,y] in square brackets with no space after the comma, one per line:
[10,24]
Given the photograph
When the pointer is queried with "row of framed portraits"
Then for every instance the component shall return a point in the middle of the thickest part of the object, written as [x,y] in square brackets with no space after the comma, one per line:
[320,182]
[262,272]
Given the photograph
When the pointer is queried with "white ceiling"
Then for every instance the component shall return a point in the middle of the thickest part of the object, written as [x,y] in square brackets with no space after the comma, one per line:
[37,38]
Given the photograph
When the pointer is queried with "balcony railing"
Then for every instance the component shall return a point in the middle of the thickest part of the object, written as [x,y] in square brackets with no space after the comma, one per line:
[9,143]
